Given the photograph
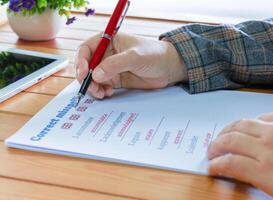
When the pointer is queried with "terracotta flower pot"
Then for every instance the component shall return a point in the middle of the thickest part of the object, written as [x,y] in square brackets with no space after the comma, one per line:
[39,27]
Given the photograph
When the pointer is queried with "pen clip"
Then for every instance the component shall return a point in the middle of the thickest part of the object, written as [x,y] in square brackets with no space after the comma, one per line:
[123,17]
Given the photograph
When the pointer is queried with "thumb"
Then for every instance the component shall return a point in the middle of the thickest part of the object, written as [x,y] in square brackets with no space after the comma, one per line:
[112,66]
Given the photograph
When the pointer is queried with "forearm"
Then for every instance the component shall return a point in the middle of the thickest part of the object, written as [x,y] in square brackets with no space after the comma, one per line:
[225,56]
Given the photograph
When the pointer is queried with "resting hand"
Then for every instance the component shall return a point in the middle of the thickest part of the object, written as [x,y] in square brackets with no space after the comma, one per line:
[131,62]
[244,151]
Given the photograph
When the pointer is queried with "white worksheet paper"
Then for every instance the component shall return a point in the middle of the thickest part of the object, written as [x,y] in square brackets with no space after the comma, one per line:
[167,129]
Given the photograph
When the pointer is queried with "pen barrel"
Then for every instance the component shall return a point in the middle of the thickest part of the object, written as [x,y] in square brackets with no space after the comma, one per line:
[98,54]
[110,32]
[115,17]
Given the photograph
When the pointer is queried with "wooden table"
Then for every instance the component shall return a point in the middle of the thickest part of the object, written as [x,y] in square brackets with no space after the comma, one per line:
[29,175]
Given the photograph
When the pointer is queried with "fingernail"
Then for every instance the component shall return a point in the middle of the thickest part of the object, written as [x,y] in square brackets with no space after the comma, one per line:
[99,74]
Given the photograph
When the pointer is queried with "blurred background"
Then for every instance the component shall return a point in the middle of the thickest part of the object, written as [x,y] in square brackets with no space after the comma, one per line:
[212,11]
[215,11]
[2,14]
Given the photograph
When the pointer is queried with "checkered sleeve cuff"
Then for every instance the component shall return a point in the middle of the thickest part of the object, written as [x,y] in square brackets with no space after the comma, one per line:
[225,56]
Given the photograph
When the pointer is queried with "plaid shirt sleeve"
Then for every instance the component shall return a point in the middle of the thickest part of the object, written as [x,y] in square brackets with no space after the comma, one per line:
[225,56]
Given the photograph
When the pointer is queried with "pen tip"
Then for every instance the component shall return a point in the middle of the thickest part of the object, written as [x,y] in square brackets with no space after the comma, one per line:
[79,97]
[77,103]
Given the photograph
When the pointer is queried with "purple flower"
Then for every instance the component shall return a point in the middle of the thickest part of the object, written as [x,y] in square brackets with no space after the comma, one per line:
[18,5]
[15,5]
[28,4]
[70,20]
[89,11]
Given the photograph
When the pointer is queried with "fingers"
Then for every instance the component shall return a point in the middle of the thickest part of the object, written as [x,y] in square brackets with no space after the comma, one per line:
[82,69]
[254,128]
[81,62]
[86,49]
[242,150]
[235,143]
[83,57]
[108,90]
[100,91]
[113,66]
[91,44]
[266,117]
[84,52]
[234,166]
[96,90]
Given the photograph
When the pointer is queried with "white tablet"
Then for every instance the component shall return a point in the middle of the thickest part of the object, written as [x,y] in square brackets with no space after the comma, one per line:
[19,69]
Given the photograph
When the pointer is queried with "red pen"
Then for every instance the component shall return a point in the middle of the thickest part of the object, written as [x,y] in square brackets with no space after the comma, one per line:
[110,31]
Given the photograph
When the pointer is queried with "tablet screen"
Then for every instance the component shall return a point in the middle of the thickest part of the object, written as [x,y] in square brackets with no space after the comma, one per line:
[14,66]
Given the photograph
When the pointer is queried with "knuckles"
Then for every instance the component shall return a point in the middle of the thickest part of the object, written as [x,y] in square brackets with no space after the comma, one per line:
[226,141]
[229,139]
[223,144]
[133,54]
[243,124]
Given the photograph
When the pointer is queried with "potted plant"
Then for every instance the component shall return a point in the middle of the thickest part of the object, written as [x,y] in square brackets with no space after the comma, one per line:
[40,20]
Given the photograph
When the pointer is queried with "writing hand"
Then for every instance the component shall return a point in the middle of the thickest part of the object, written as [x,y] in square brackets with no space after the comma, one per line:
[131,62]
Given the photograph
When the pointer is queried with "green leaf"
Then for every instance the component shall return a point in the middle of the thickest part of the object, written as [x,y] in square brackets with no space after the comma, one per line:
[41,3]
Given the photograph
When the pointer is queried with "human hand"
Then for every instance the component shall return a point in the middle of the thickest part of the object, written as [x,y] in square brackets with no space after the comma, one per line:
[244,151]
[131,62]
